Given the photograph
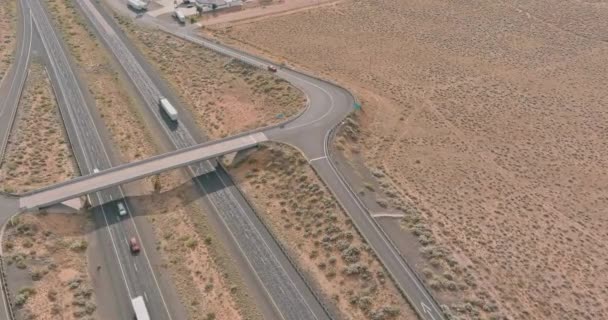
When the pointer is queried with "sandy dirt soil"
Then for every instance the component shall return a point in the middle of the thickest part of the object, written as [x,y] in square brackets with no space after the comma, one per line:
[213,296]
[38,153]
[224,95]
[115,106]
[307,220]
[8,21]
[488,120]
[50,248]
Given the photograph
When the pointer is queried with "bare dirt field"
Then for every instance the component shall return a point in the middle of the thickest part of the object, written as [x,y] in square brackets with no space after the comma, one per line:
[307,220]
[37,153]
[8,20]
[487,120]
[49,250]
[224,95]
[115,106]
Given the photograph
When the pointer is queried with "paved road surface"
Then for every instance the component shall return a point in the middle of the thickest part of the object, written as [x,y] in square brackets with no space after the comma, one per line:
[122,174]
[13,81]
[311,133]
[131,275]
[286,290]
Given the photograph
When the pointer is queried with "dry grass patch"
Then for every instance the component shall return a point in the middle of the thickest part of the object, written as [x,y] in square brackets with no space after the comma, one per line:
[225,96]
[37,153]
[112,99]
[51,248]
[307,220]
[8,30]
[488,120]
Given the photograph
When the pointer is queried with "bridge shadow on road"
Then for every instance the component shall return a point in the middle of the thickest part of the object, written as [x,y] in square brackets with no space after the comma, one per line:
[165,201]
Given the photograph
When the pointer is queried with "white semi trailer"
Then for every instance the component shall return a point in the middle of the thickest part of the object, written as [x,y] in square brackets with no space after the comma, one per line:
[168,108]
[137,5]
[139,306]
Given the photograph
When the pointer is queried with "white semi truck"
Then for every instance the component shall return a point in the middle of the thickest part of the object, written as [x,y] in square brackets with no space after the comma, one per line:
[168,108]
[137,5]
[139,306]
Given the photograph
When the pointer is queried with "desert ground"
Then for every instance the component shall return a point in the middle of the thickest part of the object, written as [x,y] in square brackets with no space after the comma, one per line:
[218,292]
[224,95]
[488,120]
[38,153]
[8,20]
[318,235]
[49,251]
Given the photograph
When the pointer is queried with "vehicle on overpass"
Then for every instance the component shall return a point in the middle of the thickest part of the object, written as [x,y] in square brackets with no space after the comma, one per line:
[139,306]
[168,108]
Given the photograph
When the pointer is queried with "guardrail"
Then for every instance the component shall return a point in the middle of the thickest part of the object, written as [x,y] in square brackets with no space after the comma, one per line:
[330,137]
[6,294]
[284,250]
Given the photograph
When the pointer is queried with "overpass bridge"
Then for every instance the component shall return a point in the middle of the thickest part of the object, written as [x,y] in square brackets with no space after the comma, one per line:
[136,170]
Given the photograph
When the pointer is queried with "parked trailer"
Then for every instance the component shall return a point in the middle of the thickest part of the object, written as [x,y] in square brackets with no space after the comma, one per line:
[168,108]
[139,306]
[137,5]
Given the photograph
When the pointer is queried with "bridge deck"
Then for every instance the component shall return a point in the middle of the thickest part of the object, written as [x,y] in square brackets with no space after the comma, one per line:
[136,170]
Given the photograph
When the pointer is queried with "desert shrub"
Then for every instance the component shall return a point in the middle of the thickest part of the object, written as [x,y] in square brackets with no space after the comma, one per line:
[78,245]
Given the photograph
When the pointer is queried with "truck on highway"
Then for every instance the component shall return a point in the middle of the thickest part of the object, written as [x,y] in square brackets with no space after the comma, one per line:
[168,108]
[137,5]
[139,306]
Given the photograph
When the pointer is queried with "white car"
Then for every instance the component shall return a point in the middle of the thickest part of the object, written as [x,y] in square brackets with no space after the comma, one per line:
[121,209]
[95,170]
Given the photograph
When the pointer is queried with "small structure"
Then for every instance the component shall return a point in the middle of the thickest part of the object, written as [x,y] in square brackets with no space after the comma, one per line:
[214,5]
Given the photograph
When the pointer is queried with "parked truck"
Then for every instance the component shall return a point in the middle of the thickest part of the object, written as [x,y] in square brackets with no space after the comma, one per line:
[137,5]
[139,306]
[168,108]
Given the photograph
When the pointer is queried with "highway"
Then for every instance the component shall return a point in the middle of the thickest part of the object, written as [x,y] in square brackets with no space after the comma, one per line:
[12,83]
[311,133]
[130,275]
[122,174]
[287,292]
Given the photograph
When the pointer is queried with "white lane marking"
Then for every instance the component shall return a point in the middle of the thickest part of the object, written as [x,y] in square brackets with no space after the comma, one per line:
[392,249]
[135,266]
[315,159]
[239,245]
[387,215]
[146,297]
[265,243]
[427,310]
[122,271]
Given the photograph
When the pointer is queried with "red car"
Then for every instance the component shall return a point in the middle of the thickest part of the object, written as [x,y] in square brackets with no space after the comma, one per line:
[272,68]
[134,245]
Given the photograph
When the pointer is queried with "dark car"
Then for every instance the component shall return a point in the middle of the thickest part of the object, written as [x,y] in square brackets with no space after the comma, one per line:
[134,245]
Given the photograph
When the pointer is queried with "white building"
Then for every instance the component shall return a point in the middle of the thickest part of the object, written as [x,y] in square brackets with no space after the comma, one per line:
[210,5]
